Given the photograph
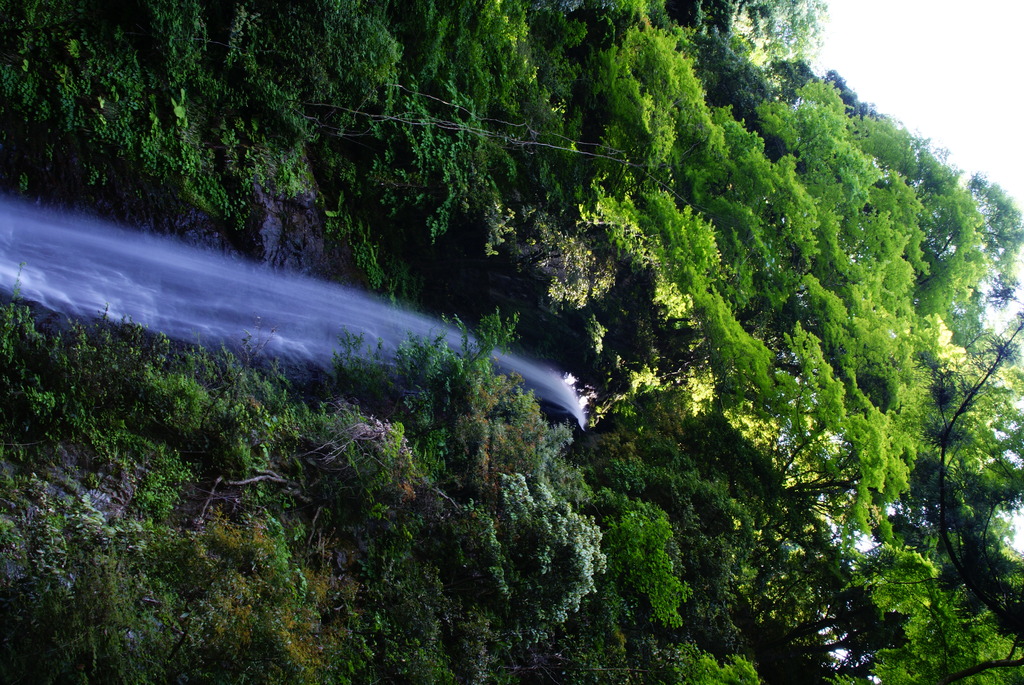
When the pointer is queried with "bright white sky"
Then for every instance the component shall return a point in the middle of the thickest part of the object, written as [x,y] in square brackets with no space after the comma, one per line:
[952,72]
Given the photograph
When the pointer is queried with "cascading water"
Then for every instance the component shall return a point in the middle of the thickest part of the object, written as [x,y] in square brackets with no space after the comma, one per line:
[86,268]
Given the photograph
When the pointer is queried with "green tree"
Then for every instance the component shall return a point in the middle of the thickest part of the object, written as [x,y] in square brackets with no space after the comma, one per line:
[962,591]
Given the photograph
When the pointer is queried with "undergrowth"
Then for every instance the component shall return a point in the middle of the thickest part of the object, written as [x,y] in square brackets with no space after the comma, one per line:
[173,513]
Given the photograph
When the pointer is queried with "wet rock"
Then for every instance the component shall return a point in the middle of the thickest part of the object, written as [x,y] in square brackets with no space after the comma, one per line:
[290,230]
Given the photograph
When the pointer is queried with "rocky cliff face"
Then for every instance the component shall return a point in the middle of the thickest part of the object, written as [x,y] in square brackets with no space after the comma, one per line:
[282,232]
[288,231]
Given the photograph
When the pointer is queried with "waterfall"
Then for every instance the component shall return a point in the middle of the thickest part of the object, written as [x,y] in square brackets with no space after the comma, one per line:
[87,268]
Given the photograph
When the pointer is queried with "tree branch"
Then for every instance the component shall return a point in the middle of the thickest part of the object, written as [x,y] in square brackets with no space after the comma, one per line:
[266,475]
[978,668]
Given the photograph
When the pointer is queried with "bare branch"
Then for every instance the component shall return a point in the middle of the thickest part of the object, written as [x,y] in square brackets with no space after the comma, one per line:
[264,475]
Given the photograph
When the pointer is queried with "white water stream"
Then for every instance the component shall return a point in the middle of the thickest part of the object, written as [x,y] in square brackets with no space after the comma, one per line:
[83,268]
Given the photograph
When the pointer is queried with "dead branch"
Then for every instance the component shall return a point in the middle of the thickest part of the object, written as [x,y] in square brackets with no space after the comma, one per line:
[264,475]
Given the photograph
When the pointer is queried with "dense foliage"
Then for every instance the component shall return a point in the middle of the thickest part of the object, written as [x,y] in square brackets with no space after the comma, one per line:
[804,450]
